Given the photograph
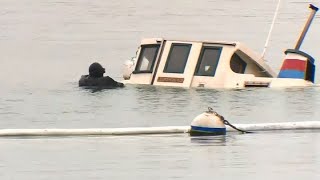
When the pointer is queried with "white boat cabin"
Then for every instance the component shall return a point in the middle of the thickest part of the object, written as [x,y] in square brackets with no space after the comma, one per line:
[210,64]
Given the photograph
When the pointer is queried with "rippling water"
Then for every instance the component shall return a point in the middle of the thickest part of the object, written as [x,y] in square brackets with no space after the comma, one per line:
[46,45]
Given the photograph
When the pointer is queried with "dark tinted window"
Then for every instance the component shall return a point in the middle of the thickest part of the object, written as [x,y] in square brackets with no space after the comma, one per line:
[147,58]
[177,58]
[237,64]
[208,62]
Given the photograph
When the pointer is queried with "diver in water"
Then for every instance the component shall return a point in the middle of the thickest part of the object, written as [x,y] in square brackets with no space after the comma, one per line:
[96,78]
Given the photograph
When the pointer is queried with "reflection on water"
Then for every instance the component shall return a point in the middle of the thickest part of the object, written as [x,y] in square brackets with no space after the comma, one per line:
[136,105]
[301,99]
[209,140]
[162,99]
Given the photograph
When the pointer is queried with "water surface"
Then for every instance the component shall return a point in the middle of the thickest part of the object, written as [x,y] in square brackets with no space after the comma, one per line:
[47,45]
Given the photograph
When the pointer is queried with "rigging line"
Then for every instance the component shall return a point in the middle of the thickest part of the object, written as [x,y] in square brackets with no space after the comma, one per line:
[271,28]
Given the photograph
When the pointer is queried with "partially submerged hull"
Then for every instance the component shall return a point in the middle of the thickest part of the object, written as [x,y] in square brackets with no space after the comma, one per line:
[209,64]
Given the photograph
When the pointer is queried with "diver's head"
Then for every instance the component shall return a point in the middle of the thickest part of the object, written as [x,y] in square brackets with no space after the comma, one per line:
[96,70]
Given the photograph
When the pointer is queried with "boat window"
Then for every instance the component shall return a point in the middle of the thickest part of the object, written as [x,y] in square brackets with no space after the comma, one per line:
[177,58]
[237,64]
[147,58]
[208,61]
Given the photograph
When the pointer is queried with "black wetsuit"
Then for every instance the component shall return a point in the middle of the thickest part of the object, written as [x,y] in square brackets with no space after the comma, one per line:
[101,82]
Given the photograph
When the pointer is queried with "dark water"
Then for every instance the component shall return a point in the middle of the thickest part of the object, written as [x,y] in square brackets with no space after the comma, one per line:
[46,45]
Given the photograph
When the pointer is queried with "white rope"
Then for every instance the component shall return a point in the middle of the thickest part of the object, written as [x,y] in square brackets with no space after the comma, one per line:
[271,28]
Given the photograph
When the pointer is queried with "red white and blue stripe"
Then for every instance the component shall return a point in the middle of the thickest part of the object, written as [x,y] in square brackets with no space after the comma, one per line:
[297,68]
[293,68]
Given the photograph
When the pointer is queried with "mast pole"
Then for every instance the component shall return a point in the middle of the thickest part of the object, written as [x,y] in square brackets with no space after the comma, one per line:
[314,9]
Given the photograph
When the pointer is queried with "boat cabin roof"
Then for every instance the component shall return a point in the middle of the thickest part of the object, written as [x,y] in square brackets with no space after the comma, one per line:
[239,48]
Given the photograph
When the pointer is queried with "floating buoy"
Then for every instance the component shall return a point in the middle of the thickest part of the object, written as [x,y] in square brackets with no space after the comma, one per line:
[211,123]
[208,123]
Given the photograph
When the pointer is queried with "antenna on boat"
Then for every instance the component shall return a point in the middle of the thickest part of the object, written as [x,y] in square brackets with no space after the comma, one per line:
[306,27]
[271,28]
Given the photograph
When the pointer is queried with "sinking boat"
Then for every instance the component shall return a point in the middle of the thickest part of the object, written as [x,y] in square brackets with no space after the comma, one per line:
[213,64]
